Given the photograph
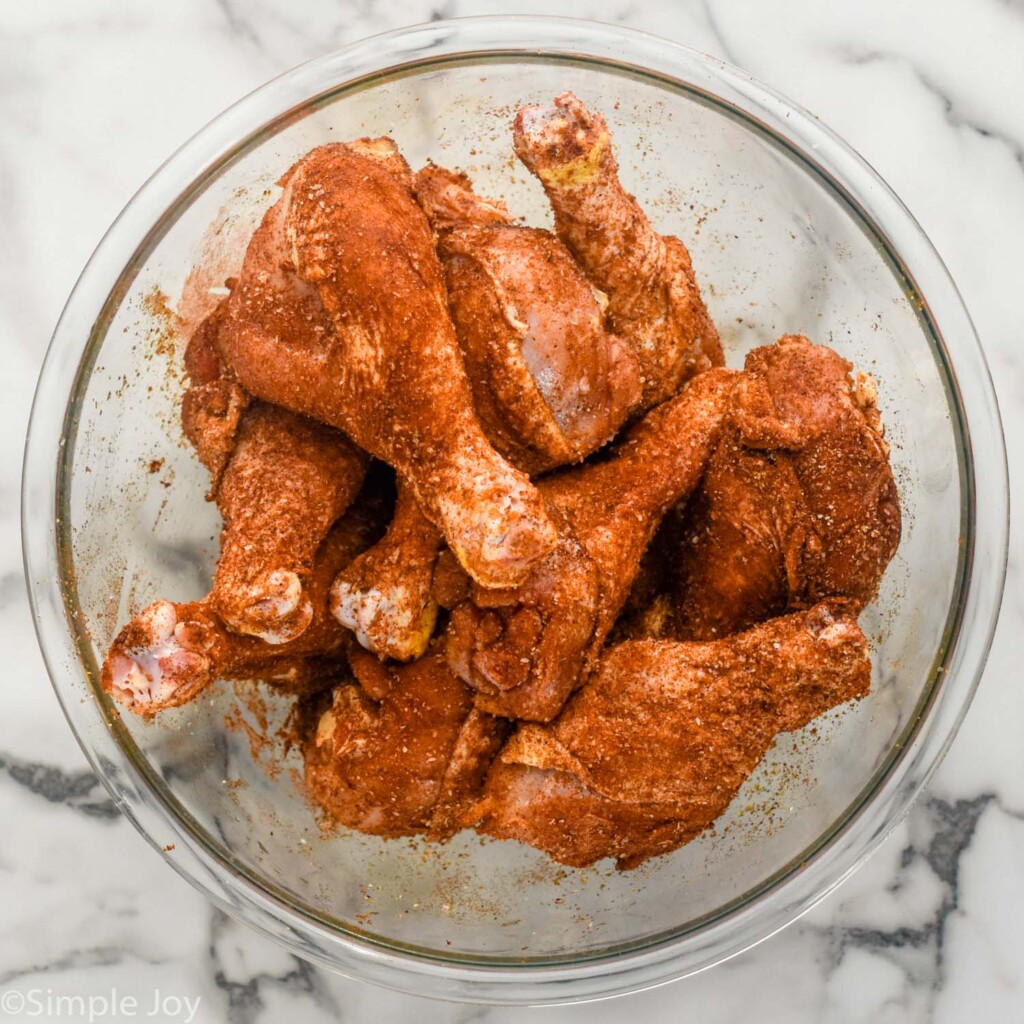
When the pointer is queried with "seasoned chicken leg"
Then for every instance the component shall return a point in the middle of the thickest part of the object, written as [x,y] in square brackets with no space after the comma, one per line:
[170,652]
[525,650]
[340,313]
[385,596]
[550,383]
[653,299]
[280,481]
[656,745]
[799,501]
[286,484]
[478,743]
[214,402]
[388,756]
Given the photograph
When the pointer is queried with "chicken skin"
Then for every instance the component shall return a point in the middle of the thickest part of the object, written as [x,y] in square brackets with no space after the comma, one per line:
[406,746]
[549,383]
[526,649]
[340,313]
[214,401]
[169,652]
[280,481]
[286,484]
[654,302]
[656,745]
[385,595]
[799,501]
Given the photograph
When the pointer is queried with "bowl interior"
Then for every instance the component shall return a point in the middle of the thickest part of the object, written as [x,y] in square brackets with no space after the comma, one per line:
[777,250]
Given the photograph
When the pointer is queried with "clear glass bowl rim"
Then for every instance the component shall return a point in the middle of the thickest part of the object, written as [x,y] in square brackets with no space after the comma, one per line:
[824,154]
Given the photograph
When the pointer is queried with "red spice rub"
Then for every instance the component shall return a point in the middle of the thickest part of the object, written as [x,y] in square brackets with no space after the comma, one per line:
[380,318]
[657,744]
[799,501]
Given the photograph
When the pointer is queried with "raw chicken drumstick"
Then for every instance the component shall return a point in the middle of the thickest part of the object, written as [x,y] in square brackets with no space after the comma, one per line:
[799,501]
[549,383]
[384,596]
[286,484]
[525,650]
[170,652]
[280,481]
[214,402]
[404,752]
[340,313]
[653,298]
[658,742]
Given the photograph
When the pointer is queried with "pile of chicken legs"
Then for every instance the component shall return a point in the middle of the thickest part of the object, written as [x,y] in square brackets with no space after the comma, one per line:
[529,559]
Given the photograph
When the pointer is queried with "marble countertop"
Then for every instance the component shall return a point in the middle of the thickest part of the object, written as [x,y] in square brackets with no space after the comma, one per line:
[94,95]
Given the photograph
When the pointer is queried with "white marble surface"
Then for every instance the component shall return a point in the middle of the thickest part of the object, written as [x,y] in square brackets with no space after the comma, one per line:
[95,93]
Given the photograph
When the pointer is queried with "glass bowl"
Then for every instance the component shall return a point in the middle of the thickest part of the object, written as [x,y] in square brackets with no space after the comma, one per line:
[789,231]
